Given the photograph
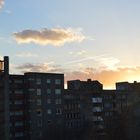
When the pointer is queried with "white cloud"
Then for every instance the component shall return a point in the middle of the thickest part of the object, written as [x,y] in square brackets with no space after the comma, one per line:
[1,3]
[55,36]
[79,53]
[26,55]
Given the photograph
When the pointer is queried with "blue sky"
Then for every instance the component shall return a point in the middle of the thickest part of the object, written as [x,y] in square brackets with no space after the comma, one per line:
[94,39]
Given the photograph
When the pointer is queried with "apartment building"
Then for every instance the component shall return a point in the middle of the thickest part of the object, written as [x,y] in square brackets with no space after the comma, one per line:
[4,99]
[45,104]
[35,106]
[31,105]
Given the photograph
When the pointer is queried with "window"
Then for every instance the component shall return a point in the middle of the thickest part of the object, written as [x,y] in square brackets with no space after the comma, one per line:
[48,101]
[49,121]
[38,81]
[19,134]
[58,111]
[18,123]
[97,109]
[11,113]
[97,118]
[97,100]
[57,81]
[39,123]
[48,81]
[18,81]
[38,101]
[18,91]
[18,102]
[57,91]
[39,112]
[40,134]
[30,79]
[58,101]
[49,111]
[38,91]
[48,91]
[31,89]
[19,113]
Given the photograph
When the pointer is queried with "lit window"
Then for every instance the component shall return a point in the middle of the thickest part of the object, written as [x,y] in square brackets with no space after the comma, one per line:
[49,91]
[57,91]
[57,81]
[38,91]
[48,81]
[49,111]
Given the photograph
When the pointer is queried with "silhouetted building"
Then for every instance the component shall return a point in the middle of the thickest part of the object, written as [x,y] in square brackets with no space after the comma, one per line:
[31,104]
[4,99]
[45,101]
[85,85]
[128,86]
[35,106]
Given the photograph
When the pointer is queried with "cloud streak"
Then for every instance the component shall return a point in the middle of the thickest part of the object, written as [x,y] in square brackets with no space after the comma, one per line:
[26,55]
[43,67]
[55,36]
[1,3]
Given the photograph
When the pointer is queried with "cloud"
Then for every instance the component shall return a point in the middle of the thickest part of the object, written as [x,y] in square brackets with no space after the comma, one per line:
[79,53]
[55,36]
[1,3]
[102,62]
[107,73]
[26,55]
[43,67]
[107,77]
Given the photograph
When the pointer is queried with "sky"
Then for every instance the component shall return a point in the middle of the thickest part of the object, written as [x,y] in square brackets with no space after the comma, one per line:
[96,39]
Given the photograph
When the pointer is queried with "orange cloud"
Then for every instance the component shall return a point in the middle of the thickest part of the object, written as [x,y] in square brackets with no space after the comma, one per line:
[107,77]
[55,36]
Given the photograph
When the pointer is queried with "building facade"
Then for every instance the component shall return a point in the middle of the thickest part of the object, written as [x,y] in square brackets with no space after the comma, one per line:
[35,106]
